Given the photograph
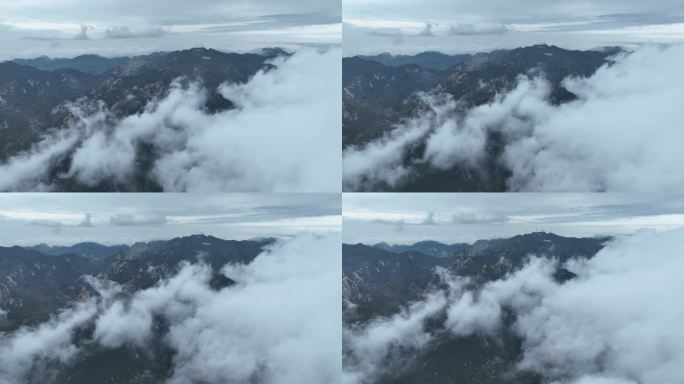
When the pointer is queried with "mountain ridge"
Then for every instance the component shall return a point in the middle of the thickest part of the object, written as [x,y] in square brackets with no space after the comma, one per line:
[378,97]
[35,102]
[35,285]
[372,293]
[378,282]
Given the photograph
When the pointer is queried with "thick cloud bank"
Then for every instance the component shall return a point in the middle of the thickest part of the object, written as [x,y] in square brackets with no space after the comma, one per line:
[617,322]
[283,135]
[280,322]
[622,133]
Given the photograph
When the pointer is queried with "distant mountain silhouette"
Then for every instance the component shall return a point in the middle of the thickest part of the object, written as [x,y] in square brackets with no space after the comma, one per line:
[88,250]
[430,60]
[431,248]
[92,64]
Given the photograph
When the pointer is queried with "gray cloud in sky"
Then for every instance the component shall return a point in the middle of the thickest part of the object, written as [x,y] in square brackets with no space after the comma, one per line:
[65,219]
[472,29]
[87,220]
[478,218]
[174,11]
[72,27]
[430,219]
[129,219]
[539,10]
[472,26]
[427,32]
[455,218]
[83,35]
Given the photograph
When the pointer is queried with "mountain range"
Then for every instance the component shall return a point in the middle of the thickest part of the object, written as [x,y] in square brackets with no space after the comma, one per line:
[37,281]
[34,93]
[430,248]
[93,64]
[88,250]
[380,91]
[378,283]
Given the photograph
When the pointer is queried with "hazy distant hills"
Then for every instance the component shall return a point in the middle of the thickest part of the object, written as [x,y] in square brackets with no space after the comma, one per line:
[37,281]
[430,60]
[431,248]
[87,250]
[32,91]
[378,283]
[92,64]
[379,91]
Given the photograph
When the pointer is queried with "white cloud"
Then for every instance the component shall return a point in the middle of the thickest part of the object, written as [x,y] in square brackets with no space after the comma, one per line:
[617,320]
[280,324]
[284,135]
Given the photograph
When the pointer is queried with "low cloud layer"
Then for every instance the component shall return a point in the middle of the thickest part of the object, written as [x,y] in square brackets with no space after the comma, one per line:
[622,133]
[280,322]
[616,322]
[283,136]
[477,29]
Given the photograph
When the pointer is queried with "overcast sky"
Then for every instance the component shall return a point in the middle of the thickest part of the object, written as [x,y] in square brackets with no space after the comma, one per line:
[462,217]
[65,219]
[66,28]
[409,26]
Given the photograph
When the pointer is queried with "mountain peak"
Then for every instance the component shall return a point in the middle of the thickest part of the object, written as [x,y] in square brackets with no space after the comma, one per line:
[273,52]
[199,50]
